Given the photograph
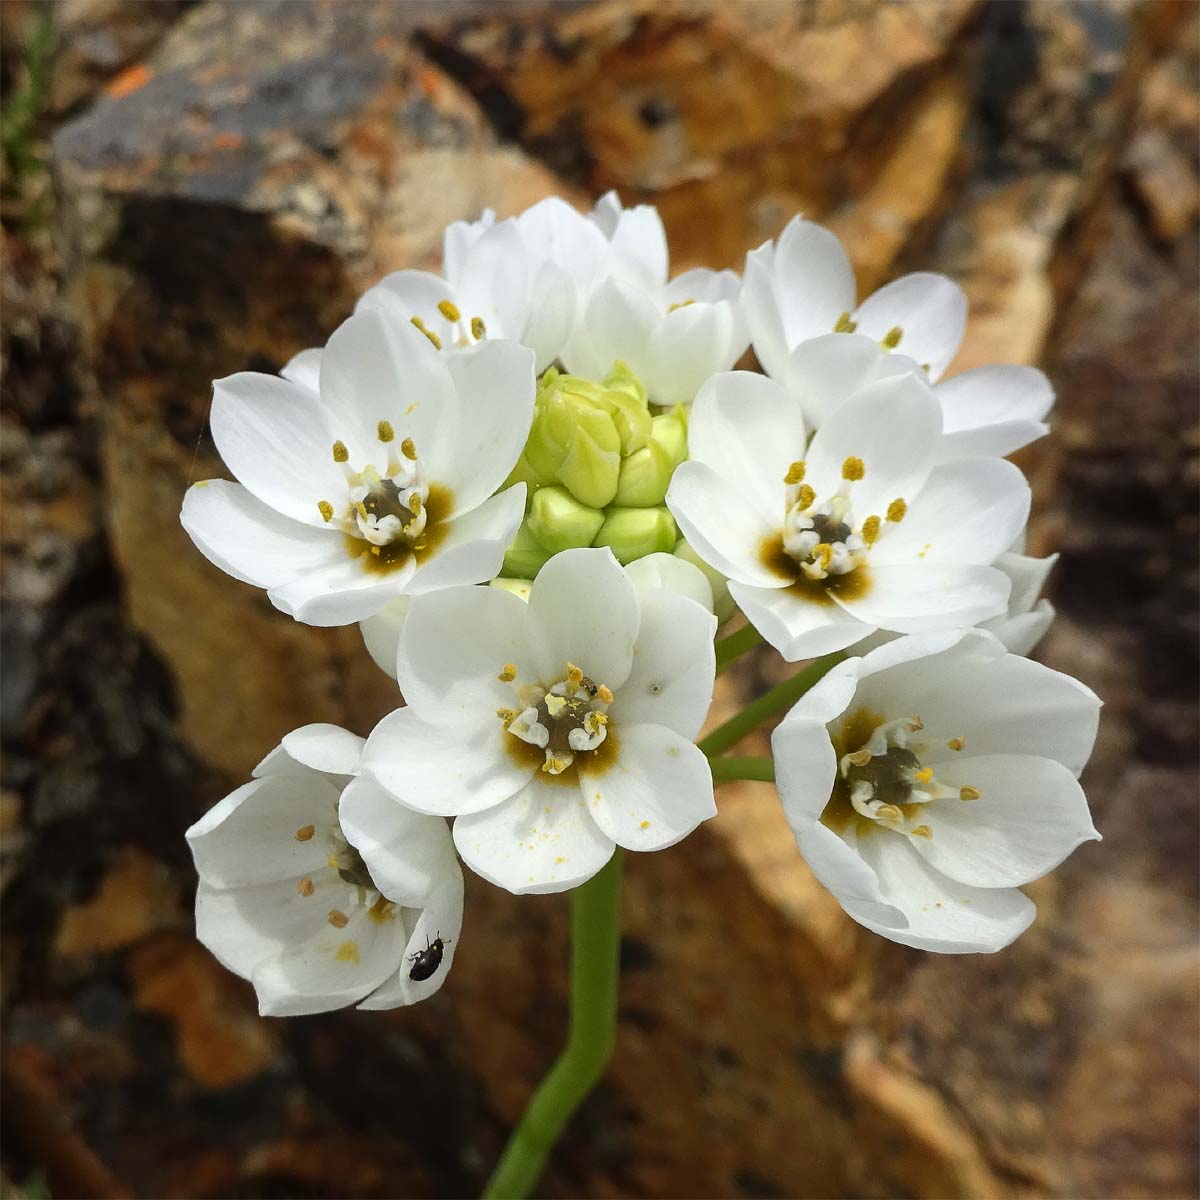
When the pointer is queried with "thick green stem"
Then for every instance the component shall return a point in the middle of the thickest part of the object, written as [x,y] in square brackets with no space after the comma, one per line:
[595,948]
[761,769]
[735,645]
[726,736]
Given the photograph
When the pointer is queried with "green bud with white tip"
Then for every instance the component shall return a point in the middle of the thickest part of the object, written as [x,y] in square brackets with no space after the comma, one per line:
[646,473]
[560,522]
[632,533]
[519,587]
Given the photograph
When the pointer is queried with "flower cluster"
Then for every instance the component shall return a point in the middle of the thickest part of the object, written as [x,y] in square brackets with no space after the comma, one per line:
[538,484]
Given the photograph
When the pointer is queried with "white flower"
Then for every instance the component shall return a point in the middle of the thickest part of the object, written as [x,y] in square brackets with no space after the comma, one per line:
[672,336]
[320,889]
[519,278]
[552,729]
[929,780]
[798,301]
[1029,615]
[825,542]
[367,471]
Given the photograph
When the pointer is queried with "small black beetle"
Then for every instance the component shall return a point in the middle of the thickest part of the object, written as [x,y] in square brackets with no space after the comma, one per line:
[426,962]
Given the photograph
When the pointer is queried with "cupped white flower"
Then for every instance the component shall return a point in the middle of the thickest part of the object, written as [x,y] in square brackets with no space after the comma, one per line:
[369,476]
[798,301]
[321,890]
[672,335]
[556,728]
[929,780]
[520,279]
[825,541]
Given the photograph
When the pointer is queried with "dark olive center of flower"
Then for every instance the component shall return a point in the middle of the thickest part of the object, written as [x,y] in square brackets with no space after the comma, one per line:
[352,868]
[383,500]
[569,715]
[828,530]
[888,774]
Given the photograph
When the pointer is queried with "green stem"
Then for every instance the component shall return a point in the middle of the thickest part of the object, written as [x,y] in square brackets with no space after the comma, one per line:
[595,947]
[735,645]
[761,769]
[726,736]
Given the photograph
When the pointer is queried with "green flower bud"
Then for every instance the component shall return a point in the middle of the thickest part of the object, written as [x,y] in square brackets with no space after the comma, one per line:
[526,556]
[723,604]
[560,522]
[523,472]
[646,474]
[625,399]
[519,587]
[574,441]
[632,533]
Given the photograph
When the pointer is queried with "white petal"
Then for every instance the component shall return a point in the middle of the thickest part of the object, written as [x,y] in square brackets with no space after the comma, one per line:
[964,685]
[495,389]
[895,426]
[474,545]
[1031,815]
[584,610]
[822,373]
[701,284]
[749,431]
[250,541]
[759,305]
[554,232]
[320,974]
[273,436]
[929,309]
[639,243]
[377,368]
[403,295]
[443,771]
[454,646]
[795,626]
[674,666]
[1022,632]
[658,790]
[1028,576]
[381,633]
[553,310]
[458,239]
[338,593]
[327,748]
[839,868]
[494,280]
[724,528]
[542,840]
[943,915]
[407,853]
[922,596]
[967,512]
[667,572]
[441,917]
[994,410]
[305,369]
[250,836]
[814,280]
[687,346]
[616,325]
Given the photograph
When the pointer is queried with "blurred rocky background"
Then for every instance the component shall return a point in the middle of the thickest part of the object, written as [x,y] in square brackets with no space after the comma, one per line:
[192,189]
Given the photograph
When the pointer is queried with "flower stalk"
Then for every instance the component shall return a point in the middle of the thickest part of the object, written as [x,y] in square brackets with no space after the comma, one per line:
[595,953]
[761,770]
[731,648]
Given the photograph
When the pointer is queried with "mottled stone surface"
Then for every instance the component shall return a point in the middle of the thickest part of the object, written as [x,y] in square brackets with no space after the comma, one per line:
[226,178]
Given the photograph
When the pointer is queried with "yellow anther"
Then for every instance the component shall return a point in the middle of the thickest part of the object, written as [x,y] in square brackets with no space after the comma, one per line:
[507,715]
[306,887]
[555,704]
[956,743]
[604,692]
[969,793]
[385,431]
[340,453]
[823,553]
[409,449]
[449,310]
[870,530]
[891,339]
[361,508]
[574,675]
[916,725]
[896,511]
[922,831]
[508,674]
[844,324]
[478,329]
[338,919]
[599,718]
[795,473]
[680,304]
[348,952]
[305,832]
[433,337]
[382,910]
[924,775]
[853,469]
[805,497]
[376,550]
[889,812]
[555,766]
[325,509]
[414,504]
[644,825]
[859,758]
[333,863]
